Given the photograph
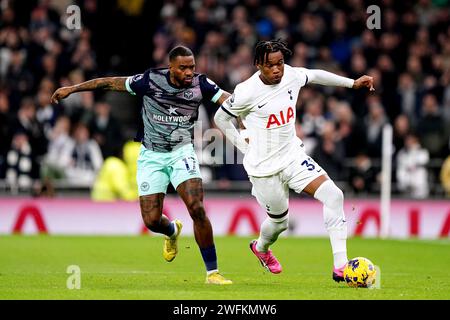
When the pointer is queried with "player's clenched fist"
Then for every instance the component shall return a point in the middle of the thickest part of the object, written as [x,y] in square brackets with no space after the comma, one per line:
[364,82]
[61,93]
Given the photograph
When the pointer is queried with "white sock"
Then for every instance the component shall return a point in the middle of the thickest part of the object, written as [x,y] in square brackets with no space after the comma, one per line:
[270,230]
[333,213]
[338,240]
[340,259]
[211,271]
[175,227]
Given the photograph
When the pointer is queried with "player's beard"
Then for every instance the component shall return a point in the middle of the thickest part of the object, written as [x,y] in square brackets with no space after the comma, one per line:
[187,82]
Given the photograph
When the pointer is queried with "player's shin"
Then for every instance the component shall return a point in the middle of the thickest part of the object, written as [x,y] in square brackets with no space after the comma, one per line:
[333,213]
[270,230]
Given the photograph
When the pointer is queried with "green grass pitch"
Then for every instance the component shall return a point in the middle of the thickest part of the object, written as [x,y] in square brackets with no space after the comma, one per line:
[35,267]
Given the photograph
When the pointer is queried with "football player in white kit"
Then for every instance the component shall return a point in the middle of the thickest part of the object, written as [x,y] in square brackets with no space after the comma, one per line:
[275,157]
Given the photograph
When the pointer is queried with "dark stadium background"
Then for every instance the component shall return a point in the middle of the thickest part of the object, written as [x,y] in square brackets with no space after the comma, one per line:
[409,58]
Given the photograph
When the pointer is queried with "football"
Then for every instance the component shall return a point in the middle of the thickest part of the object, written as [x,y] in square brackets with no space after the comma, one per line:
[360,273]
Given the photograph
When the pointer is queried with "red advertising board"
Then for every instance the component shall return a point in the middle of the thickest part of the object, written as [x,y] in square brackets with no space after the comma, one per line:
[239,216]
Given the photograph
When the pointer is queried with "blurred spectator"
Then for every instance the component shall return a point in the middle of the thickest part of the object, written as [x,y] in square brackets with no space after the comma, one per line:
[426,12]
[211,59]
[374,122]
[313,120]
[431,127]
[401,129]
[362,175]
[310,144]
[301,55]
[240,31]
[329,153]
[445,176]
[389,90]
[105,129]
[412,175]
[53,166]
[369,46]
[82,157]
[5,132]
[21,166]
[358,65]
[47,85]
[19,80]
[84,57]
[414,67]
[46,113]
[117,177]
[310,29]
[202,24]
[446,101]
[241,65]
[350,131]
[325,61]
[341,41]
[409,97]
[27,123]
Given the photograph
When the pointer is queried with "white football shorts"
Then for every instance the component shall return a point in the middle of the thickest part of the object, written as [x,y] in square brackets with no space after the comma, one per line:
[272,192]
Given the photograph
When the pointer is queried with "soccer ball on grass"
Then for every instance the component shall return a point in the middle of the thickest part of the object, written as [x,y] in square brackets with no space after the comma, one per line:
[360,273]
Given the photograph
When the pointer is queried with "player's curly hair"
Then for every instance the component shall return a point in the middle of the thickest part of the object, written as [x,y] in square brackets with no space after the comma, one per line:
[263,48]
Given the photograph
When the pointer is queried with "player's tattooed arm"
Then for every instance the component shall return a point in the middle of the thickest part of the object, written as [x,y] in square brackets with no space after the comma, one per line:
[109,83]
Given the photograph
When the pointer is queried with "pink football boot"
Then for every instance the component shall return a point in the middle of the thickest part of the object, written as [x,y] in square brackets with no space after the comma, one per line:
[338,273]
[267,259]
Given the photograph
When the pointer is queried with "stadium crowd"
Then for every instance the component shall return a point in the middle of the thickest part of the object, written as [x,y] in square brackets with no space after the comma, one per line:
[409,58]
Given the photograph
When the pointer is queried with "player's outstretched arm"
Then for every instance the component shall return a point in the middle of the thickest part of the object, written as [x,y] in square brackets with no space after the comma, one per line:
[364,82]
[326,78]
[109,83]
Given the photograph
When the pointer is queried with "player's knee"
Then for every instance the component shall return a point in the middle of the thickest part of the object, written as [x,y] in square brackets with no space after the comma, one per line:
[196,210]
[337,197]
[334,197]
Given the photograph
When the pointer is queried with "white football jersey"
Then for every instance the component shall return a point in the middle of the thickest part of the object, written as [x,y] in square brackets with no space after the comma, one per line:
[268,112]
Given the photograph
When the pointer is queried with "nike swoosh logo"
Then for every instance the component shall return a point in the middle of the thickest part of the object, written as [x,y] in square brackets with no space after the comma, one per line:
[260,106]
[319,170]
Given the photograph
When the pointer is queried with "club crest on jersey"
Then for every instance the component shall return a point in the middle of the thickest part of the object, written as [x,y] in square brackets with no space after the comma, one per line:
[145,186]
[281,118]
[188,94]
[137,77]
